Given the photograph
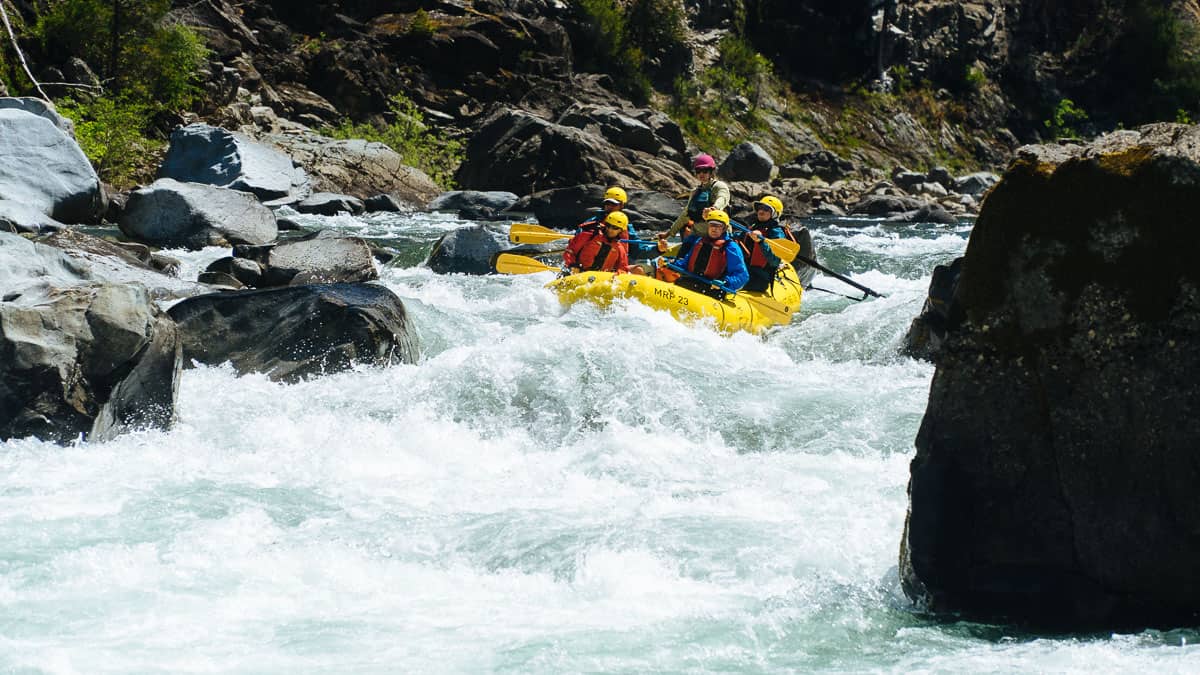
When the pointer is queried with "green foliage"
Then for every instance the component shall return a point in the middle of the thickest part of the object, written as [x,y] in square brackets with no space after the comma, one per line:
[109,132]
[612,48]
[409,136]
[901,79]
[1158,59]
[147,60]
[1063,121]
[731,90]
[656,27]
[421,25]
[1182,116]
[975,78]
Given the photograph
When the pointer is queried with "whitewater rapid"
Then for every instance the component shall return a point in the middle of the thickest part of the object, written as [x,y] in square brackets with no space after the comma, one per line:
[545,490]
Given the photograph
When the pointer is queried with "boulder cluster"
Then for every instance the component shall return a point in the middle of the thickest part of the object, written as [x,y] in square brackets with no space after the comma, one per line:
[87,349]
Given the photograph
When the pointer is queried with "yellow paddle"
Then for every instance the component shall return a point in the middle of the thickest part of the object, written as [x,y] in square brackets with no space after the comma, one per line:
[528,233]
[508,263]
[786,249]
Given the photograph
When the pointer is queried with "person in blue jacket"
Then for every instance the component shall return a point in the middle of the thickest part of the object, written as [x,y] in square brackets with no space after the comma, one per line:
[714,256]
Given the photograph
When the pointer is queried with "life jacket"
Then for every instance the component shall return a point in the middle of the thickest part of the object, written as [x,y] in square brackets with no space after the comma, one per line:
[707,258]
[599,254]
[702,198]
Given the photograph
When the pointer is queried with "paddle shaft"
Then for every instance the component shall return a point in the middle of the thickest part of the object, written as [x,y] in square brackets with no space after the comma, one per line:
[835,275]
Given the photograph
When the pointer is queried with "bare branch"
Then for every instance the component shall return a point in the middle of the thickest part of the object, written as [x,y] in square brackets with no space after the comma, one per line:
[13,36]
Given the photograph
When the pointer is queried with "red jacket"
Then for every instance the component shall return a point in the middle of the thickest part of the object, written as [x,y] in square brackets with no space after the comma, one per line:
[592,251]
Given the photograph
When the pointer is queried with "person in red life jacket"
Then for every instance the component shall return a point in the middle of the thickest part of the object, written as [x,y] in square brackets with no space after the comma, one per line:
[600,250]
[710,195]
[761,261]
[713,256]
[615,199]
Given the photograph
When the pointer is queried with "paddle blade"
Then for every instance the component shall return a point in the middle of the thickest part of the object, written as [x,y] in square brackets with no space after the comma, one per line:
[786,249]
[776,311]
[507,263]
[527,233]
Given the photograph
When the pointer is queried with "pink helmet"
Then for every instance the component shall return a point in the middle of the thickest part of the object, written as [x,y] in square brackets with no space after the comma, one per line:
[704,161]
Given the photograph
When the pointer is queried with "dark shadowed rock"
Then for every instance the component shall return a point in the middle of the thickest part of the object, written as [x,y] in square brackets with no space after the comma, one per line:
[885,205]
[1056,473]
[382,203]
[564,208]
[200,153]
[473,204]
[296,332]
[747,162]
[80,358]
[520,152]
[467,250]
[330,204]
[928,331]
[44,170]
[927,213]
[191,215]
[820,164]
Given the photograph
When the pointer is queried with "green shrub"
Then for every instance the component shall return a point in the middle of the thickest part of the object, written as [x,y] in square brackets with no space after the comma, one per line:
[109,132]
[655,27]
[1157,61]
[411,138]
[421,25]
[156,63]
[610,49]
[1063,121]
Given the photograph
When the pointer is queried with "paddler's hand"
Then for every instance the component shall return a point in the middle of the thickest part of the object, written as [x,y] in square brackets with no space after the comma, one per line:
[662,242]
[756,235]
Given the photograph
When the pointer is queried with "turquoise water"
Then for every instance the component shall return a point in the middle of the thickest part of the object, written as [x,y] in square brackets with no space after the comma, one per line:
[545,491]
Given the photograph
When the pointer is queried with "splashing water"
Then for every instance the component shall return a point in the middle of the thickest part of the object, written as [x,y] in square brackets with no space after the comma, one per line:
[547,490]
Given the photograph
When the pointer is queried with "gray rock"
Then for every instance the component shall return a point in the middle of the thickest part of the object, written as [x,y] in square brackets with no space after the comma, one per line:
[942,176]
[190,215]
[17,217]
[213,156]
[246,272]
[566,207]
[976,184]
[86,359]
[747,162]
[467,250]
[472,200]
[885,205]
[45,170]
[355,167]
[330,204]
[40,108]
[322,258]
[820,164]
[927,213]
[299,331]
[908,180]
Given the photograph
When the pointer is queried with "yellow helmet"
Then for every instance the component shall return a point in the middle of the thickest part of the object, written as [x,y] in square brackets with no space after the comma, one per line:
[616,194]
[772,203]
[719,216]
[617,219]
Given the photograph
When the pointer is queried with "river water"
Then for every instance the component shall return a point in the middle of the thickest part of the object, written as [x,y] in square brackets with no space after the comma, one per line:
[545,491]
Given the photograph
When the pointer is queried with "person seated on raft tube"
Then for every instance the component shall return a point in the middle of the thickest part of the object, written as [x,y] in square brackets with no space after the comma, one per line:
[714,256]
[761,261]
[710,195]
[599,250]
[615,199]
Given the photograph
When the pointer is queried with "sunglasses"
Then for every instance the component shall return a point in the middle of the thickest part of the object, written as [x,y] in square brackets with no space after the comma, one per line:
[700,172]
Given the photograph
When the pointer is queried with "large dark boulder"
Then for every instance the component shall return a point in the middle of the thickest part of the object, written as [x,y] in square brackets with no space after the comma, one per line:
[566,207]
[521,152]
[299,331]
[79,357]
[747,162]
[1056,470]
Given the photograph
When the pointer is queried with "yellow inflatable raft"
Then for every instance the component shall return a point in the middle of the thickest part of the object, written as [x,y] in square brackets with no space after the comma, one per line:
[749,311]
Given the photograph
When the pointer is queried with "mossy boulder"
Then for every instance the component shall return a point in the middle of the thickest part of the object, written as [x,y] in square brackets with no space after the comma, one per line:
[1056,469]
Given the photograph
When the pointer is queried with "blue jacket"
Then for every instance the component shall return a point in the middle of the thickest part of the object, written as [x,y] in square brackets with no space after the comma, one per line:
[736,274]
[771,230]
